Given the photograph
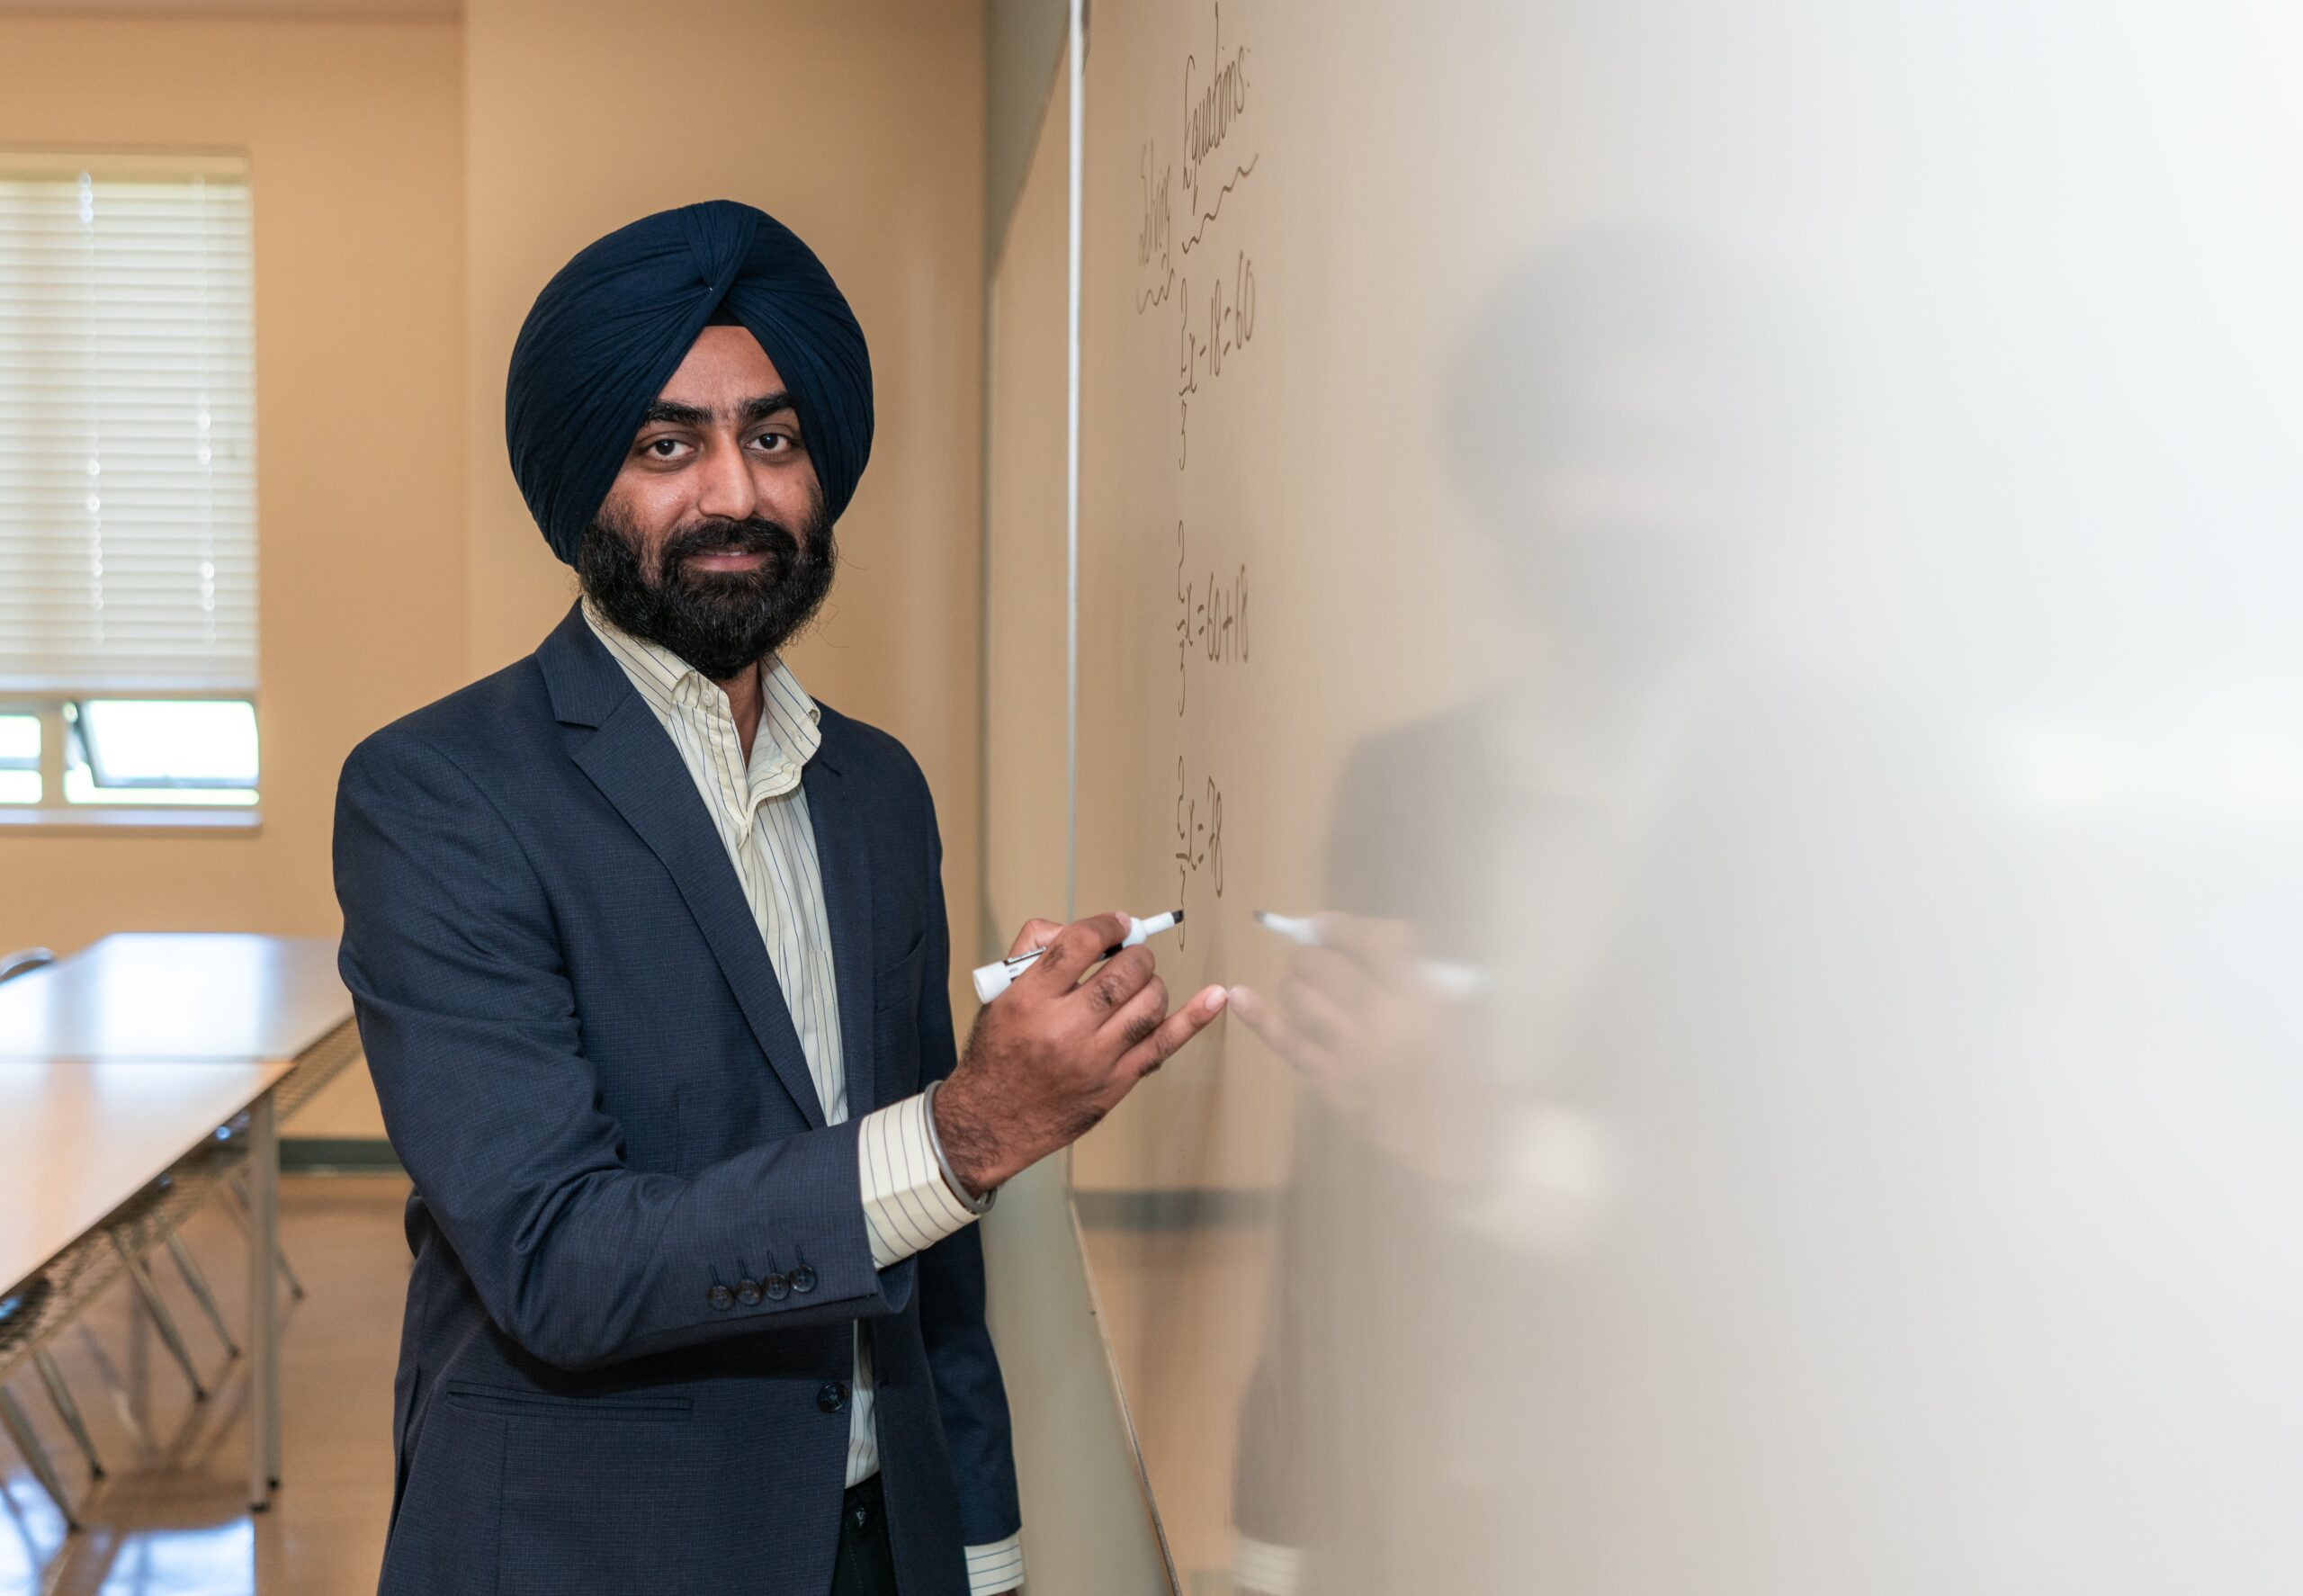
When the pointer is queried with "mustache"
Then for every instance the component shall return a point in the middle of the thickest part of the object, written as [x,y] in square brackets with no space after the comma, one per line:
[719,622]
[719,535]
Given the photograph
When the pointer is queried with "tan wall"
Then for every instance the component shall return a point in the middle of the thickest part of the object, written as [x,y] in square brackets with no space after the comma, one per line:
[860,126]
[354,141]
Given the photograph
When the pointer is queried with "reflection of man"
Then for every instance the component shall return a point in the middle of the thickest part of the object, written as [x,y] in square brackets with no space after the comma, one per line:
[1508,838]
[1499,1354]
[1609,433]
[648,950]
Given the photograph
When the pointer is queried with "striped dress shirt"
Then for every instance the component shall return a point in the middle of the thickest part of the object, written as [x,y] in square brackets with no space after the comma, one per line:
[761,812]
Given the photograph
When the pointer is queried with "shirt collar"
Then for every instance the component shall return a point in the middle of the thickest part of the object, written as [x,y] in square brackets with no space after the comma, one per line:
[790,726]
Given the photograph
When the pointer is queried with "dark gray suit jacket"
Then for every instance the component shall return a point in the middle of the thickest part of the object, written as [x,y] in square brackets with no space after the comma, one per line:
[586,1064]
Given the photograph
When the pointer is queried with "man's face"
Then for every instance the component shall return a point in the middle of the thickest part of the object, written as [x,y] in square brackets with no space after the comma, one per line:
[1618,514]
[713,541]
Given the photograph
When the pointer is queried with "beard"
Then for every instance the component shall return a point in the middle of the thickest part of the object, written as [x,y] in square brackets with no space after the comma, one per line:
[720,622]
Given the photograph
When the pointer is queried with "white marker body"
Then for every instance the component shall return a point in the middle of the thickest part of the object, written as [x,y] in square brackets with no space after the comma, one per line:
[991,980]
[1454,981]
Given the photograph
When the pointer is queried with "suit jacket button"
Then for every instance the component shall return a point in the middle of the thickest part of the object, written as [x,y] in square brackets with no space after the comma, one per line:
[775,1288]
[804,1279]
[720,1296]
[748,1293]
[832,1396]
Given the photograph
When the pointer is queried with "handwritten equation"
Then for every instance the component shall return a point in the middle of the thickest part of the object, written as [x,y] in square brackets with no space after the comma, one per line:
[1207,339]
[1210,620]
[1199,834]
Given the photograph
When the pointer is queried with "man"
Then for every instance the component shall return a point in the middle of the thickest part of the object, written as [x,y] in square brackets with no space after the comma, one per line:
[649,954]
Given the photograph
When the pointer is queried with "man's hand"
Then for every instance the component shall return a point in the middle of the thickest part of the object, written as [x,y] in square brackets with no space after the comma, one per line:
[1054,1053]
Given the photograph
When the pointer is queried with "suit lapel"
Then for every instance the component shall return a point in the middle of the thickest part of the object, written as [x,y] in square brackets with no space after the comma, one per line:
[843,857]
[632,762]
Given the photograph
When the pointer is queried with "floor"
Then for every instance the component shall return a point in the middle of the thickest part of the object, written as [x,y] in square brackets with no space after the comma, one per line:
[170,1518]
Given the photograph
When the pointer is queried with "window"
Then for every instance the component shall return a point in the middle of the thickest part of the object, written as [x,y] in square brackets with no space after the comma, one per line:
[128,557]
[128,751]
[20,759]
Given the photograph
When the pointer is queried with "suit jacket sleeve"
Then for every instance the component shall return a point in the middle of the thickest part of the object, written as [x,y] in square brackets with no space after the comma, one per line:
[469,1025]
[968,1392]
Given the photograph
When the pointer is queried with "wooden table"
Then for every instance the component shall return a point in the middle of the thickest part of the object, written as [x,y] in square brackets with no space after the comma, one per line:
[163,1030]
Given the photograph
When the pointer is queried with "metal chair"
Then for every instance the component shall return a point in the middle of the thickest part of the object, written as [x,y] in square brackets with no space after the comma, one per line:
[23,963]
[237,1189]
[236,1186]
[24,960]
[17,1311]
[20,1311]
[123,1225]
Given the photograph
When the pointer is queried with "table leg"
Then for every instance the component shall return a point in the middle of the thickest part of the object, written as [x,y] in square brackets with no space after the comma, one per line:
[264,1303]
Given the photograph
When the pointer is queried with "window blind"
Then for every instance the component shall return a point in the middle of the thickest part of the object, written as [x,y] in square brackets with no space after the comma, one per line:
[128,560]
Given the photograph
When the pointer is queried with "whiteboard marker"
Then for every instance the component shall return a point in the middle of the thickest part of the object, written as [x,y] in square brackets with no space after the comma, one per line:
[991,980]
[1454,981]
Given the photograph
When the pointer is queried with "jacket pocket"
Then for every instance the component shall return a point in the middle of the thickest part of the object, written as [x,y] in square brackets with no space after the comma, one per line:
[511,1402]
[899,983]
[446,1536]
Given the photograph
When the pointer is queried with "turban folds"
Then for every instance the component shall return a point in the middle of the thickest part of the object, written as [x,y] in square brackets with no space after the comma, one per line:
[615,323]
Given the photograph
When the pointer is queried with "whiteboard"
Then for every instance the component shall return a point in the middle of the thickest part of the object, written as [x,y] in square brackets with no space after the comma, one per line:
[1737,560]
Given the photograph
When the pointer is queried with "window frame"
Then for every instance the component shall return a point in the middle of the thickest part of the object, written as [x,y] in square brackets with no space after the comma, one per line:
[55,811]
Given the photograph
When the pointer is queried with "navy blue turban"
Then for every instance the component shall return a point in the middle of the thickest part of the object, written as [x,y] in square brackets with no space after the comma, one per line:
[613,323]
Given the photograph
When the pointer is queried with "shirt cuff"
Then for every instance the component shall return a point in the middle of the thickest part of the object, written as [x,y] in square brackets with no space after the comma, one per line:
[997,1567]
[908,1205]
